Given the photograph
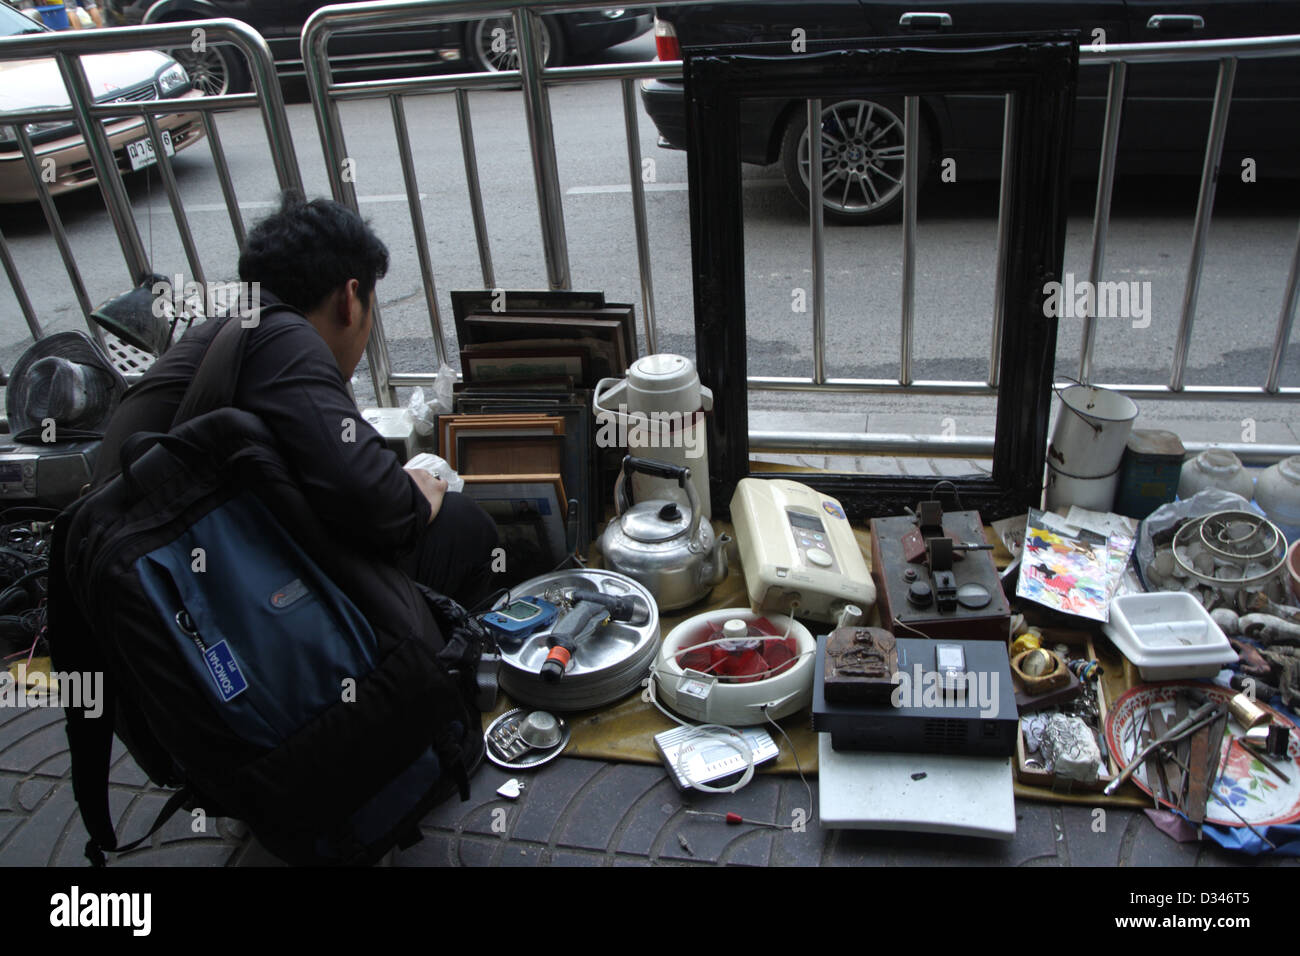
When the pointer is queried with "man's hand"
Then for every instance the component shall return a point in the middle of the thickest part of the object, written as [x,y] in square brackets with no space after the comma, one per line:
[432,488]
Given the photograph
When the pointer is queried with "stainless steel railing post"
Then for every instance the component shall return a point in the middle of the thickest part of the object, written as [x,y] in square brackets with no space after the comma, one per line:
[1285,321]
[633,135]
[105,166]
[541,139]
[1101,213]
[475,189]
[911,108]
[816,225]
[1204,211]
[1004,236]
[417,221]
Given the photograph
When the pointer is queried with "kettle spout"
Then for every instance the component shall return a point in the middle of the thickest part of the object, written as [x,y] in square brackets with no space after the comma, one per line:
[720,561]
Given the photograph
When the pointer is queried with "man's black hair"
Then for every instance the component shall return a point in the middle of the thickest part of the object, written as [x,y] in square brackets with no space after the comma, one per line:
[306,250]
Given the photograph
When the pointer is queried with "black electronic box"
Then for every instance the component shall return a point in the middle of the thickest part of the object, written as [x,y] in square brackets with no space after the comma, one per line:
[953,697]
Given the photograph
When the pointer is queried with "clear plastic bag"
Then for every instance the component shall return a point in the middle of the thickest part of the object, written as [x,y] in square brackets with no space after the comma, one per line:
[439,469]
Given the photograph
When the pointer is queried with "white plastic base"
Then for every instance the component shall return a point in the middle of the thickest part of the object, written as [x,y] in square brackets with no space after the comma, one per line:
[967,796]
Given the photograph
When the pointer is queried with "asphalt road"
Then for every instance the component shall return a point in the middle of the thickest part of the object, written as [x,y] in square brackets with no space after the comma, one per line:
[1251,241]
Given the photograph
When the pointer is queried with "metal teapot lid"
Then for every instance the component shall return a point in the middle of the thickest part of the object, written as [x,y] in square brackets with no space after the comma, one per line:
[653,521]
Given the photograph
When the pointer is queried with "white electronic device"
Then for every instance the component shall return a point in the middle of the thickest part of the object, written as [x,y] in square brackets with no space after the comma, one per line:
[796,545]
[692,757]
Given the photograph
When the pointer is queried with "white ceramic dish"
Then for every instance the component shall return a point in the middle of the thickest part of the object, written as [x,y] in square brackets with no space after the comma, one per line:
[1168,635]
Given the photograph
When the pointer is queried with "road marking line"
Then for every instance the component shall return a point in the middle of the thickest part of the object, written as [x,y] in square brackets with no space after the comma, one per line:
[656,187]
[271,204]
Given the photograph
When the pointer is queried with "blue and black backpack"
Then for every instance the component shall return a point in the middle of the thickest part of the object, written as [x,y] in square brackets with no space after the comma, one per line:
[272,675]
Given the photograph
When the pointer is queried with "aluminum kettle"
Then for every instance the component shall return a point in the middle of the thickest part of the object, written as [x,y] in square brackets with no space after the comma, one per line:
[673,553]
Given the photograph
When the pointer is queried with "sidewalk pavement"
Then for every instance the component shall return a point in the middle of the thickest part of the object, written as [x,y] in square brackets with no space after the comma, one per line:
[572,813]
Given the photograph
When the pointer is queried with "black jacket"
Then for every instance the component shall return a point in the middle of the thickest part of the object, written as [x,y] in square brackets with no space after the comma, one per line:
[291,381]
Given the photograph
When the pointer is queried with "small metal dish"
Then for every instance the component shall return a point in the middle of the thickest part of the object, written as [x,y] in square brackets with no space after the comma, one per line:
[540,730]
[506,747]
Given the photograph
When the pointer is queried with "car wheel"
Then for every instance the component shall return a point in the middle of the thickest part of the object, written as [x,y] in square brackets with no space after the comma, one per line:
[862,159]
[217,70]
[492,47]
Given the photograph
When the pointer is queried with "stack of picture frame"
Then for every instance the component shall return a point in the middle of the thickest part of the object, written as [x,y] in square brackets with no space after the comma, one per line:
[523,435]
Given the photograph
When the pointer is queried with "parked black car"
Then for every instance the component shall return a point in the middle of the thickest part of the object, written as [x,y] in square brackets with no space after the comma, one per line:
[486,44]
[1164,123]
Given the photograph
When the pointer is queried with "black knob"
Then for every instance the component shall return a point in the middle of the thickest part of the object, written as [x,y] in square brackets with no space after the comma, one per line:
[919,594]
[670,512]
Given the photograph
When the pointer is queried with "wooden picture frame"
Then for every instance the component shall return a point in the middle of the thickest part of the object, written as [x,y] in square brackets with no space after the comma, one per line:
[1040,71]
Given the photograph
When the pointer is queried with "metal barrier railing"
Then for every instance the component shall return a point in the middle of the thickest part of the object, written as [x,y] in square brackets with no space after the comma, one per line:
[536,80]
[388,14]
[67,50]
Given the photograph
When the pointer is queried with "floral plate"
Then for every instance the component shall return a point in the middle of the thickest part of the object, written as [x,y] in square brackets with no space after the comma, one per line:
[1250,788]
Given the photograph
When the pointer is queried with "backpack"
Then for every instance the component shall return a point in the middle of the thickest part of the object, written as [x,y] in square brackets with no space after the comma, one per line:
[318,694]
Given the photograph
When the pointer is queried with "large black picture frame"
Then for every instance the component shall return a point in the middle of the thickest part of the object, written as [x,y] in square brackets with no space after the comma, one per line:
[1041,70]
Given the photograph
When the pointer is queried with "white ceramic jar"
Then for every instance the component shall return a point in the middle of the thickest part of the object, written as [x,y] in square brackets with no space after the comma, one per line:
[1215,468]
[1278,493]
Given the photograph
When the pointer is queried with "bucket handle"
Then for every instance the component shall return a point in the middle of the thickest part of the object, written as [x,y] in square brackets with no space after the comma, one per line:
[1064,404]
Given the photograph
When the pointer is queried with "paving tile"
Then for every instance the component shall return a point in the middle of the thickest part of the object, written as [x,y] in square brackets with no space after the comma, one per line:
[495,819]
[1150,847]
[528,854]
[35,742]
[957,467]
[798,847]
[31,791]
[452,812]
[436,849]
[1092,840]
[859,848]
[605,802]
[72,850]
[879,465]
[1038,836]
[550,794]
[201,853]
[709,837]
[646,821]
[752,849]
[476,852]
[9,822]
[35,842]
[572,858]
[23,720]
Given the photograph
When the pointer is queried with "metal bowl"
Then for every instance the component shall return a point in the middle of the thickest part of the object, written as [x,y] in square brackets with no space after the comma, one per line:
[540,730]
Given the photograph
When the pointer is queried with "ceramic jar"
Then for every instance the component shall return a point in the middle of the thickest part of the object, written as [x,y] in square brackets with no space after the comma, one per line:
[1278,493]
[1215,468]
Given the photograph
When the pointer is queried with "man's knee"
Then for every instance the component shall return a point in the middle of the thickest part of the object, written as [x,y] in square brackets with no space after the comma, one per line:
[462,520]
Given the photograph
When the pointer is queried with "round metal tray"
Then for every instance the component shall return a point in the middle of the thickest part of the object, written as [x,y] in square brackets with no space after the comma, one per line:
[607,666]
[533,758]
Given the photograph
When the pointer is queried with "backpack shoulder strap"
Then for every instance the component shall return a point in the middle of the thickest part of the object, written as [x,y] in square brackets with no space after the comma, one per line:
[217,376]
[90,742]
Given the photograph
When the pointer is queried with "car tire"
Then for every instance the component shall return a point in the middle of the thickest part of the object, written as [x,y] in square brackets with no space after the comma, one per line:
[218,70]
[862,164]
[480,37]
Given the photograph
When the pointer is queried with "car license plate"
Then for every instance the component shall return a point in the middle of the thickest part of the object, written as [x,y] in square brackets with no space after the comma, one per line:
[141,152]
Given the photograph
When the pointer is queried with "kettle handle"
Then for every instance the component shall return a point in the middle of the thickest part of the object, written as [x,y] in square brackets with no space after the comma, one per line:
[657,469]
[603,391]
